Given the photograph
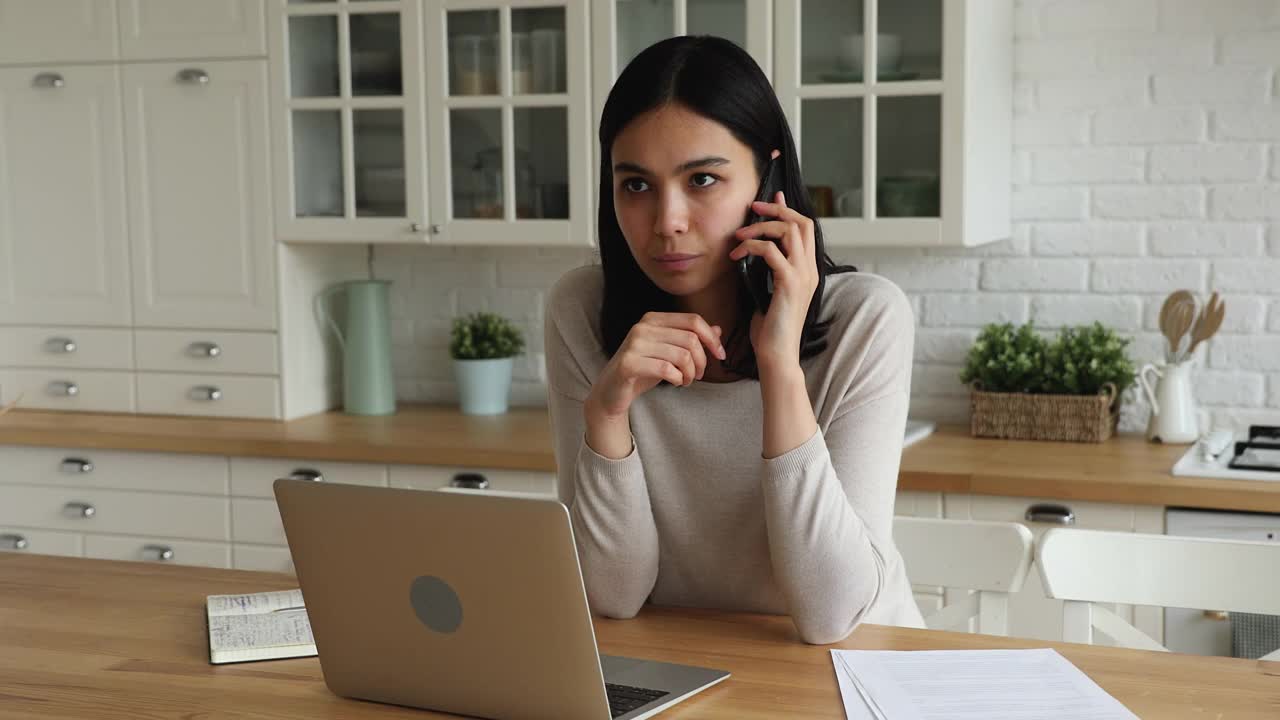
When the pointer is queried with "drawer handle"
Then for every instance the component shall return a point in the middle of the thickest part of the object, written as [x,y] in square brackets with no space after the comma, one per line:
[76,465]
[307,474]
[63,388]
[80,509]
[1051,514]
[60,345]
[14,541]
[48,80]
[1216,614]
[161,552]
[205,393]
[193,76]
[204,350]
[470,480]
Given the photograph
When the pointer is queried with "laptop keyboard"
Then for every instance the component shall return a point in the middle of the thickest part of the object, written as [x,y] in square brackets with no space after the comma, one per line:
[624,698]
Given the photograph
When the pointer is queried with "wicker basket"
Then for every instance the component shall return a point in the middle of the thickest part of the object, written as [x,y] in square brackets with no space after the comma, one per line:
[1028,416]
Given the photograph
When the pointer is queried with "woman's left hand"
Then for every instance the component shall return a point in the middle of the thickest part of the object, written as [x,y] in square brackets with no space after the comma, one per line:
[775,336]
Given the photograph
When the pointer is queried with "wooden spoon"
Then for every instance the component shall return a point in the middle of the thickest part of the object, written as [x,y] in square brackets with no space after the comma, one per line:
[1168,317]
[1184,315]
[1208,322]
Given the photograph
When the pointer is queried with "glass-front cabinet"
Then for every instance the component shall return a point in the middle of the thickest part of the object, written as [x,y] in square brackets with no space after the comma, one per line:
[348,112]
[509,122]
[902,110]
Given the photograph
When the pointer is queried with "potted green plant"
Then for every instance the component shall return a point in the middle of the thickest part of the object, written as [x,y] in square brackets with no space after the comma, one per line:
[1023,386]
[483,346]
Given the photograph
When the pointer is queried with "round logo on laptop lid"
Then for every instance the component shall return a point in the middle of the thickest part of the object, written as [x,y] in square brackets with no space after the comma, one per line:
[435,603]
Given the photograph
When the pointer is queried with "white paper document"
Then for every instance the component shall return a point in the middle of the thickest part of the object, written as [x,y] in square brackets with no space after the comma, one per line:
[1035,684]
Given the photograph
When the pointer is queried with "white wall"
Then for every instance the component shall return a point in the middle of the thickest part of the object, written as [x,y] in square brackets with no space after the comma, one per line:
[1147,158]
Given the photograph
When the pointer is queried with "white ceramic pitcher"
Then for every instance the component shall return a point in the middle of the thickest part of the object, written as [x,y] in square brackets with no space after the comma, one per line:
[1174,417]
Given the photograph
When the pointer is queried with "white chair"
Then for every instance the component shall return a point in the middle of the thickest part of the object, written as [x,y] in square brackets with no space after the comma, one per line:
[1083,567]
[992,558]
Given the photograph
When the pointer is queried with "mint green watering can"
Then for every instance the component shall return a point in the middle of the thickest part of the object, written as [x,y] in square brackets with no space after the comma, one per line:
[368,387]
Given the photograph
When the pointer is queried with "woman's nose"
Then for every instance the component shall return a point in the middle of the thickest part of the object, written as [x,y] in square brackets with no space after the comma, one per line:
[672,215]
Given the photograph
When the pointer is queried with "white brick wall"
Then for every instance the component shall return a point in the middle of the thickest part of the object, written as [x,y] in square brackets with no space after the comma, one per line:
[1147,158]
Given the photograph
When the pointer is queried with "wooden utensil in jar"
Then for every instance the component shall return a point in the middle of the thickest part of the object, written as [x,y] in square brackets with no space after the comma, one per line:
[1208,322]
[1172,319]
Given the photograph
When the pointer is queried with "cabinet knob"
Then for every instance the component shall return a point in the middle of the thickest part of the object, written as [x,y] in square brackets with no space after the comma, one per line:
[307,474]
[64,388]
[193,76]
[13,541]
[470,480]
[1051,514]
[76,465]
[204,349]
[158,552]
[205,393]
[80,509]
[60,345]
[48,80]
[1216,615]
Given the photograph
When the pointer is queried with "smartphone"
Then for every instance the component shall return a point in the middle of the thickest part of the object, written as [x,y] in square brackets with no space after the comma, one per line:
[753,269]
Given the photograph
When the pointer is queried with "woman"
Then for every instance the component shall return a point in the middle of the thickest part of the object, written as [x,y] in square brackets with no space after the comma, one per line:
[711,455]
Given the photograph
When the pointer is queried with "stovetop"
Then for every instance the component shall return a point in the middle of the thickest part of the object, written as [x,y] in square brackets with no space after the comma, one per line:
[1256,456]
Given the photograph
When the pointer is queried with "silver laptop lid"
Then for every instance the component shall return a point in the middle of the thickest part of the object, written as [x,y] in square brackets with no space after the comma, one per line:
[450,601]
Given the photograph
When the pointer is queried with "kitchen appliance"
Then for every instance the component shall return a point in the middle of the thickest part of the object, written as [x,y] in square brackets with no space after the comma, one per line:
[1219,454]
[368,387]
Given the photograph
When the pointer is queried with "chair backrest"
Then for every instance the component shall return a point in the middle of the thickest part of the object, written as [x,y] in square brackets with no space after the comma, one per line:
[1082,567]
[991,558]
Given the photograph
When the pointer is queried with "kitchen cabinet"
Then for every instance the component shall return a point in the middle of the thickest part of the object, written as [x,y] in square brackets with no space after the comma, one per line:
[1031,614]
[58,31]
[902,113]
[165,29]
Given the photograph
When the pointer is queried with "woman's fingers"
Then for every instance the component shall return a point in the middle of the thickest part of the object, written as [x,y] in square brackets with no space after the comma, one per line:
[691,322]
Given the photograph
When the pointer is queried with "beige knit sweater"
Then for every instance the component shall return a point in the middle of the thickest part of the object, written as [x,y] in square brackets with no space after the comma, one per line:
[695,516]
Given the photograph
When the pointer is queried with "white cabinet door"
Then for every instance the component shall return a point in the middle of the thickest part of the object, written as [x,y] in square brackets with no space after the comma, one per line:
[63,257]
[163,29]
[199,205]
[1031,614]
[57,30]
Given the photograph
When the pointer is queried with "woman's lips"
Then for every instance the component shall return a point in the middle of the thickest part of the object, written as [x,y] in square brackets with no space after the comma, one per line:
[676,261]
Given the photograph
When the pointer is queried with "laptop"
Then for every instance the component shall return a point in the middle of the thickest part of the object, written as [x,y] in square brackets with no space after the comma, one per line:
[463,601]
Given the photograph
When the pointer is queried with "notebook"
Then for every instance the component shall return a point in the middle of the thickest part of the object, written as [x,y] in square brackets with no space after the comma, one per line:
[258,626]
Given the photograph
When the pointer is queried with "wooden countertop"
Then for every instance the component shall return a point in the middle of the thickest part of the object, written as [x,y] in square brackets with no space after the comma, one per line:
[127,639]
[1125,469]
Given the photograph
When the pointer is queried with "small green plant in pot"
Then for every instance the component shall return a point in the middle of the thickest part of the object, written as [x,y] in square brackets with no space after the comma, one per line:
[483,346]
[1026,387]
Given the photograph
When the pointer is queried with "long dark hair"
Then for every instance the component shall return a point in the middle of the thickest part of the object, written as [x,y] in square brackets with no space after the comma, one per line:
[718,80]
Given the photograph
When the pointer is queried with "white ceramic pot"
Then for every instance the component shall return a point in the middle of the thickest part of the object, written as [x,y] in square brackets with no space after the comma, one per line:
[483,385]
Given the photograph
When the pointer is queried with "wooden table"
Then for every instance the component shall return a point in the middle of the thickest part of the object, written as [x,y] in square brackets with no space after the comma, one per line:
[95,638]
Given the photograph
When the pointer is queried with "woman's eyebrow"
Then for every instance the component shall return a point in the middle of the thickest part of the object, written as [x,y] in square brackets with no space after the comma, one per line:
[709,161]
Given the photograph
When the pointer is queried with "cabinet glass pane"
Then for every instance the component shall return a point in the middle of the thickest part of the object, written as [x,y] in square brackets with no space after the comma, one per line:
[831,155]
[473,52]
[908,156]
[475,161]
[910,40]
[375,54]
[379,159]
[725,18]
[831,41]
[542,162]
[313,55]
[537,50]
[317,163]
[641,24]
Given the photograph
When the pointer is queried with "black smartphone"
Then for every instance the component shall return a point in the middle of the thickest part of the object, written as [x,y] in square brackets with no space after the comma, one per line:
[753,269]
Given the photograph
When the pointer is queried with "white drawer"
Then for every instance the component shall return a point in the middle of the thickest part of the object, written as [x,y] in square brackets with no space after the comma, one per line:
[256,520]
[182,552]
[434,477]
[47,347]
[252,477]
[81,468]
[40,542]
[238,395]
[117,511]
[94,390]
[200,351]
[262,557]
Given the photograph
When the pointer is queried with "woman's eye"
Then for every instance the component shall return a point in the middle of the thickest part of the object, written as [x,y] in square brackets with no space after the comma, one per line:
[703,180]
[634,185]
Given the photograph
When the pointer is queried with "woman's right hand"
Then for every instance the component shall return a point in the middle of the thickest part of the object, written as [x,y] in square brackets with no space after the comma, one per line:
[661,346]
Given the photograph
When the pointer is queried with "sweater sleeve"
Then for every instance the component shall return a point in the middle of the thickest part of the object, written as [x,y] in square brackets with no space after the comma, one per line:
[608,500]
[829,502]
